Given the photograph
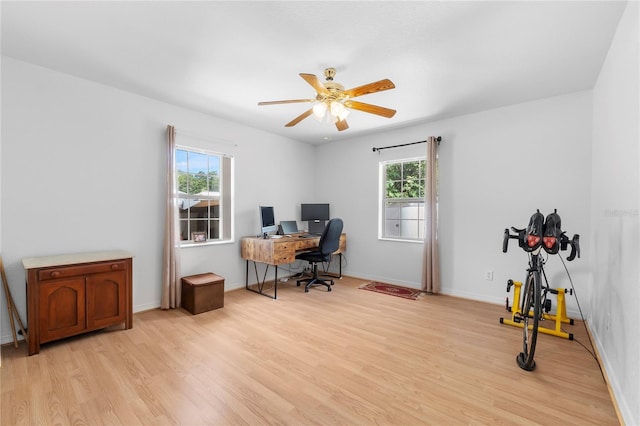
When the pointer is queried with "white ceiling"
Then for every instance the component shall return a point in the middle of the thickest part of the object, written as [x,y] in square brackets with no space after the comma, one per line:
[446,58]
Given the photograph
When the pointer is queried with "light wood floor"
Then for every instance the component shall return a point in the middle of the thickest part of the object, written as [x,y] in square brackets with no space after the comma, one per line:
[348,357]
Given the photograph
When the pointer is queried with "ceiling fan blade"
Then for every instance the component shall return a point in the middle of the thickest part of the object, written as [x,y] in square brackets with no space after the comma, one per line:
[342,125]
[289,101]
[315,83]
[299,118]
[371,109]
[377,86]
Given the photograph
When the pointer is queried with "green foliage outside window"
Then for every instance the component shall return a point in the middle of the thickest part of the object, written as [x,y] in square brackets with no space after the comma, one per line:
[197,172]
[198,182]
[405,180]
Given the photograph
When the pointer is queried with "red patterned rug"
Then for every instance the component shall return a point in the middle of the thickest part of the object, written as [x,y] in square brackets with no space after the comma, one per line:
[394,290]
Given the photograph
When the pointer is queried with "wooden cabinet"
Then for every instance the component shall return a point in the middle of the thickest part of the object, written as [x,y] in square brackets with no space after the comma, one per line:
[60,311]
[73,294]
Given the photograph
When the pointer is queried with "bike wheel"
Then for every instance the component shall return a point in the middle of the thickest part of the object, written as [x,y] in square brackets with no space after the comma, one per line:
[530,313]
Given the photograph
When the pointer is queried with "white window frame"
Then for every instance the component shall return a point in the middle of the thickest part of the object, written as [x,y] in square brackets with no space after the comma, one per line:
[225,198]
[407,215]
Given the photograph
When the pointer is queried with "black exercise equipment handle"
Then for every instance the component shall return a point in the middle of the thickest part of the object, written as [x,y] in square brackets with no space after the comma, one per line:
[575,247]
[508,236]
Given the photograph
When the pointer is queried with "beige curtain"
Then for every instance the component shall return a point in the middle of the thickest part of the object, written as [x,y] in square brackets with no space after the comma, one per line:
[431,256]
[171,253]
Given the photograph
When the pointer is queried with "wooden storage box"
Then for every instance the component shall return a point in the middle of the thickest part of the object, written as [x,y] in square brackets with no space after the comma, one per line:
[202,292]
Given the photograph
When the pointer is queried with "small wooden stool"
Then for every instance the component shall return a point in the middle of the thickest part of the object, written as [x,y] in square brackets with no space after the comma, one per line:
[202,292]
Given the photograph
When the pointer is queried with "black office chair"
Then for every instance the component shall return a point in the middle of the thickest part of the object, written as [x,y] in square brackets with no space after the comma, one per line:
[329,242]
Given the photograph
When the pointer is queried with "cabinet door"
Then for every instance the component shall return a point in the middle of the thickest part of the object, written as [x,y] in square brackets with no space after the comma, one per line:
[106,299]
[61,308]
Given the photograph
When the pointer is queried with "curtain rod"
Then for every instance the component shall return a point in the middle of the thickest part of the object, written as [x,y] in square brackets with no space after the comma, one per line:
[438,139]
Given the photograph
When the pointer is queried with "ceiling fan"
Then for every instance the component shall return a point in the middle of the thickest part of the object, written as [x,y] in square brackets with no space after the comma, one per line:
[332,98]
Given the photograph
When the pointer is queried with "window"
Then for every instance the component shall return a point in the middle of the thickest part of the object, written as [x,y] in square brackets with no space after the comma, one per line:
[203,180]
[402,196]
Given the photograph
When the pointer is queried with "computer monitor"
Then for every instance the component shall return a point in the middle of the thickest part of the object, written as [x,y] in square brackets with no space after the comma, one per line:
[315,212]
[316,216]
[288,227]
[267,220]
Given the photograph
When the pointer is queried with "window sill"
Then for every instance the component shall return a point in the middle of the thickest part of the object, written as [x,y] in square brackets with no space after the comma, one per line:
[208,243]
[400,240]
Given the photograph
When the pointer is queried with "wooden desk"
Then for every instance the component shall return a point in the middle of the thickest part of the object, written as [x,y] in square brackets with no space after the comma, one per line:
[279,251]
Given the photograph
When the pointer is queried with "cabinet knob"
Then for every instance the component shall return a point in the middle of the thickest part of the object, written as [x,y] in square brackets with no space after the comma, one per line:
[114,266]
[55,273]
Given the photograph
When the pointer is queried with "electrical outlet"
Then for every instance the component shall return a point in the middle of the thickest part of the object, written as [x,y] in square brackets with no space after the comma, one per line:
[488,275]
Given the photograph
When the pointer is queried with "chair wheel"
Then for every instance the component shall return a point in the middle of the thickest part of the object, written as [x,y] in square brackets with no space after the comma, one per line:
[329,289]
[306,290]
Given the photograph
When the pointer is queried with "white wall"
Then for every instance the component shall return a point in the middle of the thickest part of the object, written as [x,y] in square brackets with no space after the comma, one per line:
[615,215]
[83,169]
[496,168]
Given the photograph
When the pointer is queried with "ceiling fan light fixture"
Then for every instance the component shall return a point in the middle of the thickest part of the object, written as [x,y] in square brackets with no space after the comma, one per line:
[344,114]
[319,109]
[336,108]
[332,97]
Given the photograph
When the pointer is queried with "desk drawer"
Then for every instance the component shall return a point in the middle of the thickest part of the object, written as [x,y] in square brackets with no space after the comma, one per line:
[284,252]
[55,273]
[306,243]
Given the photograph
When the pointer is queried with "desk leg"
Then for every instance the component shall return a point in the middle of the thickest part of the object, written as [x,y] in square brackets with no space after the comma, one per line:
[246,277]
[261,283]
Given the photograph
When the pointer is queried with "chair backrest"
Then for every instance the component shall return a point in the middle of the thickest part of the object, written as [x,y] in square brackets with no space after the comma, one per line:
[330,239]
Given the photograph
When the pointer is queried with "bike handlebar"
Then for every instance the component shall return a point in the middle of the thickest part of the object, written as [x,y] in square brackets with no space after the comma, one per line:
[508,236]
[564,242]
[575,246]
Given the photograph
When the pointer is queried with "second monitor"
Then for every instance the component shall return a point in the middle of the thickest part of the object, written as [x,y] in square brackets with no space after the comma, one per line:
[315,215]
